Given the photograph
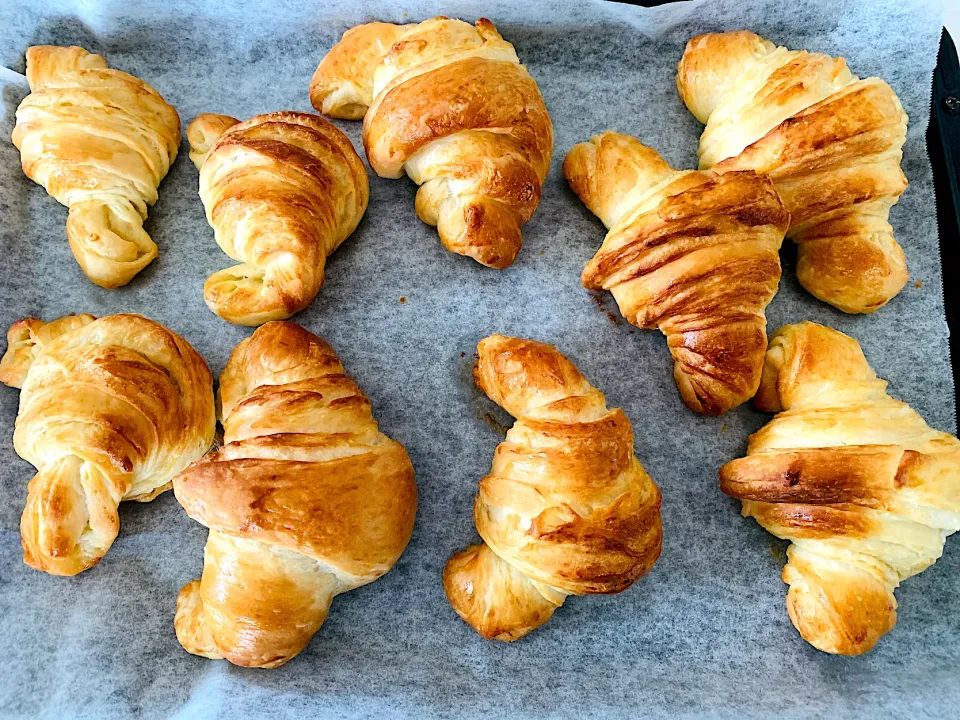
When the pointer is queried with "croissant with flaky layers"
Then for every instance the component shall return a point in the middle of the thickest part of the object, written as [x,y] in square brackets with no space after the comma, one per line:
[448,104]
[691,253]
[567,508]
[100,141]
[831,143]
[110,410]
[282,191]
[866,491]
[307,499]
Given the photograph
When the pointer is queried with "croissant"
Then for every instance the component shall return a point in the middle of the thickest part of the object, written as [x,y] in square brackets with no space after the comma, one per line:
[282,191]
[567,508]
[100,141]
[863,487]
[448,104]
[306,500]
[830,142]
[691,253]
[110,410]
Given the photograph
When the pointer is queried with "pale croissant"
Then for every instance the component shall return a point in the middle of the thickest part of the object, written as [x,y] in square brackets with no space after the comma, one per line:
[691,253]
[448,104]
[307,499]
[864,488]
[282,191]
[100,141]
[110,410]
[567,508]
[831,143]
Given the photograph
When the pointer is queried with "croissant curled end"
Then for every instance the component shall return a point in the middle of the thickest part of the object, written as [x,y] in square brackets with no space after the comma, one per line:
[192,632]
[26,338]
[245,295]
[492,597]
[204,132]
[840,610]
[108,241]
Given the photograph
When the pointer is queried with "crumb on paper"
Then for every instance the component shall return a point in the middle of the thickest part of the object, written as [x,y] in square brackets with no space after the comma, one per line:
[463,354]
[403,299]
[918,284]
[541,252]
[724,428]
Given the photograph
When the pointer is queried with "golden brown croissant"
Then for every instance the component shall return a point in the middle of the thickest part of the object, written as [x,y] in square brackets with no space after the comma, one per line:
[691,253]
[110,410]
[831,143]
[567,508]
[100,141]
[282,191]
[448,104]
[306,500]
[864,488]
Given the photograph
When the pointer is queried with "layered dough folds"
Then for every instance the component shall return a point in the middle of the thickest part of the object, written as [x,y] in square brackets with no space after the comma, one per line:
[866,491]
[305,500]
[100,141]
[831,143]
[567,508]
[448,104]
[691,253]
[110,410]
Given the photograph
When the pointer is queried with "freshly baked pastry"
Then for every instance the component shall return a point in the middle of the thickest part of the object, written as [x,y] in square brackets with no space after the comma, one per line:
[306,500]
[691,253]
[830,142]
[110,410]
[863,487]
[282,191]
[100,141]
[567,508]
[450,105]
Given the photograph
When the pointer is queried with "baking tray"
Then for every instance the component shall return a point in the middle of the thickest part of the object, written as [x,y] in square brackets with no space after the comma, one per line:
[706,633]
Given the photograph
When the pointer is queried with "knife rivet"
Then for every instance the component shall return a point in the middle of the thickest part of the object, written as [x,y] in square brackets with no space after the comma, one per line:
[952,104]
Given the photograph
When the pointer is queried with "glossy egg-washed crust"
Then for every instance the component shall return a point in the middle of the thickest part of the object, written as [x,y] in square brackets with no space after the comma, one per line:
[100,141]
[831,143]
[282,191]
[691,253]
[864,488]
[567,508]
[449,104]
[110,410]
[305,500]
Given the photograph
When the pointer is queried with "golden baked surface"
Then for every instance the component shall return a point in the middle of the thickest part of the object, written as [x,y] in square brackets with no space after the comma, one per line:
[567,508]
[281,191]
[110,410]
[866,491]
[448,104]
[306,499]
[831,143]
[100,141]
[691,253]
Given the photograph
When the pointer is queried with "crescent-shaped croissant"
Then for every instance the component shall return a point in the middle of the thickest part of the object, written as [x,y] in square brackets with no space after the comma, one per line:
[832,144]
[691,253]
[307,499]
[866,491]
[450,105]
[100,141]
[282,191]
[110,410]
[567,508]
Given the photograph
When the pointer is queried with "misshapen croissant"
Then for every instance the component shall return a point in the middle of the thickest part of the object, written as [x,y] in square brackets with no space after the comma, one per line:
[831,143]
[100,141]
[691,253]
[448,104]
[306,500]
[282,192]
[110,410]
[567,508]
[863,487]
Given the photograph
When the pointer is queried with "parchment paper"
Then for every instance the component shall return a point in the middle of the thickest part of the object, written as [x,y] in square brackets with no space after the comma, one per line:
[706,632]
